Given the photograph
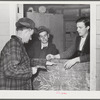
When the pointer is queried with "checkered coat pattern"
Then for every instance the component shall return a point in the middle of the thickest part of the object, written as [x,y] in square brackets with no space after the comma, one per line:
[15,70]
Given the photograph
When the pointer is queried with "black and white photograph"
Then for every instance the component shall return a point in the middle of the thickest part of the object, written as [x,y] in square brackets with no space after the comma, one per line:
[49,48]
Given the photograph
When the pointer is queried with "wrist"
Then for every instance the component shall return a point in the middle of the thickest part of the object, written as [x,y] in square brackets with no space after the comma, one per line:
[57,56]
[77,59]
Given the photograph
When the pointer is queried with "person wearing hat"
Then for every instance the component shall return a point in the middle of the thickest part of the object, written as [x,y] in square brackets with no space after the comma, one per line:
[43,46]
[39,49]
[15,70]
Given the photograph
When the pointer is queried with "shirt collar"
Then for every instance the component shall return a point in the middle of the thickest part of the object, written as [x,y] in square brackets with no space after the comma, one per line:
[84,36]
[44,45]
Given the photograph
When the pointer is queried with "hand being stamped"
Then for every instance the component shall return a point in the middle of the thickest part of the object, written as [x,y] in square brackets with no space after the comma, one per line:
[34,70]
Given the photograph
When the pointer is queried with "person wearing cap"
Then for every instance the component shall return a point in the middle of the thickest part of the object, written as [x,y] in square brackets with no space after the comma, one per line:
[39,49]
[42,47]
[15,70]
[80,49]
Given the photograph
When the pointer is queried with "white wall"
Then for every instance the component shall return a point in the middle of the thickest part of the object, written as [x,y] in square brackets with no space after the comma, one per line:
[4,24]
[7,22]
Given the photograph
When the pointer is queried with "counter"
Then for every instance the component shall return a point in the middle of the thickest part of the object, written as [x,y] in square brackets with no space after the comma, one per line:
[57,78]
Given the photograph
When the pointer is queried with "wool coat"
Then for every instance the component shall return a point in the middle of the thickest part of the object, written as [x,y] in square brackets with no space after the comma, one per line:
[15,70]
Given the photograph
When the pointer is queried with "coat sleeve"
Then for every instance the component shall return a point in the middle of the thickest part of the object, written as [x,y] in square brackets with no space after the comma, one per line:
[70,51]
[13,67]
[30,51]
[54,49]
[85,58]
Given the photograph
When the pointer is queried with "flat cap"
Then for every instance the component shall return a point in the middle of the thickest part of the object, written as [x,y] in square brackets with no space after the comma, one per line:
[42,29]
[25,22]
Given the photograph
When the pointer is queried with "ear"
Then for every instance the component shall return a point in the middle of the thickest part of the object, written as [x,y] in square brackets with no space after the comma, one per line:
[88,27]
[33,31]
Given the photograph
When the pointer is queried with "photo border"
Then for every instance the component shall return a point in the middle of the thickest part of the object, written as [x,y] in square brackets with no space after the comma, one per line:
[68,94]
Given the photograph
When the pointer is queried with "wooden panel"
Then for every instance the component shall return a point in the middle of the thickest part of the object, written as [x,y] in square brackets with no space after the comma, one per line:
[98,83]
[70,26]
[98,76]
[98,12]
[56,28]
[97,55]
[98,26]
[39,19]
[98,69]
[71,14]
[85,12]
[98,50]
[97,41]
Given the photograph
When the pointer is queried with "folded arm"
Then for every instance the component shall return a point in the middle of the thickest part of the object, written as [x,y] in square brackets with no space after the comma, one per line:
[14,65]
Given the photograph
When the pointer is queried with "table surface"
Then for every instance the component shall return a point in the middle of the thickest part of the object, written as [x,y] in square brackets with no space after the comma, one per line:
[57,78]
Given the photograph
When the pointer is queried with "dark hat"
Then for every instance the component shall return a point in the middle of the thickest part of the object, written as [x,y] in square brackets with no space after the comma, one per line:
[25,22]
[42,29]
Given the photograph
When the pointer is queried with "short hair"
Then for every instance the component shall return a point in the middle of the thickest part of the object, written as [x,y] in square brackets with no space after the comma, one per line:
[86,20]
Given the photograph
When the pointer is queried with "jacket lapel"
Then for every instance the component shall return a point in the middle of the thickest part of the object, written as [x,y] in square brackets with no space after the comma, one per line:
[78,42]
[86,41]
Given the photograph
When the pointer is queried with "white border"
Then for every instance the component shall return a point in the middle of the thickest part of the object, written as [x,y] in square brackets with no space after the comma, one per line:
[93,47]
[13,16]
[68,94]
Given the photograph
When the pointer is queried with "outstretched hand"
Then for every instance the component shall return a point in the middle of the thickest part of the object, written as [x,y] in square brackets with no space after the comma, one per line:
[71,63]
[50,56]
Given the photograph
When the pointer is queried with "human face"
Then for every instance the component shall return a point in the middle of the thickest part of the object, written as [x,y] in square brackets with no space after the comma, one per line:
[82,29]
[43,36]
[26,35]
